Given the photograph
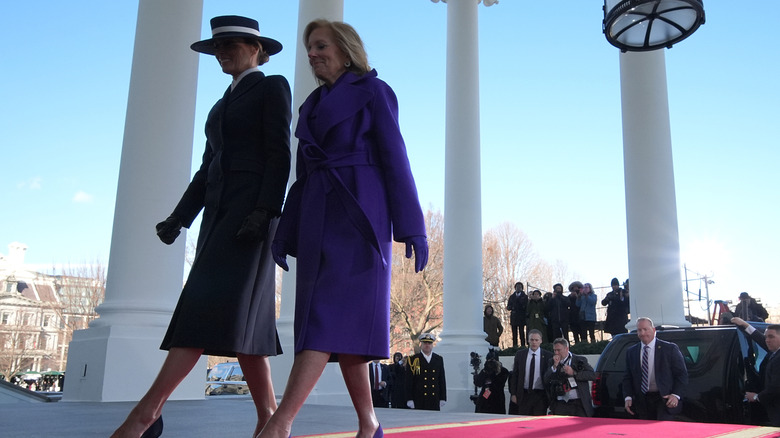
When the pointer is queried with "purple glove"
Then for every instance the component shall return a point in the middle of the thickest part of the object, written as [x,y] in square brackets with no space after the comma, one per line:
[279,254]
[420,246]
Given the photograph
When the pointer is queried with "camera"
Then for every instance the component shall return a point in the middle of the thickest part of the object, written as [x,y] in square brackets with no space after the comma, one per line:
[559,385]
[476,361]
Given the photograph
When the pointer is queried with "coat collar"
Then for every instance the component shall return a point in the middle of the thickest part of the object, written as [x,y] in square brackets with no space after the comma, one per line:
[349,95]
[246,84]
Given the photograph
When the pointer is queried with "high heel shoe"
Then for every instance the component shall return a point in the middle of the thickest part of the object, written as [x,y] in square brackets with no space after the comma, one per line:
[155,430]
[379,433]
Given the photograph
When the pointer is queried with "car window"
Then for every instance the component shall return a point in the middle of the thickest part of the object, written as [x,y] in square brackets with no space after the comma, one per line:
[220,372]
[236,374]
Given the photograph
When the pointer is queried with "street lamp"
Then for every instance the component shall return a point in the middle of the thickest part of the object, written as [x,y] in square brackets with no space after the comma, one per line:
[643,25]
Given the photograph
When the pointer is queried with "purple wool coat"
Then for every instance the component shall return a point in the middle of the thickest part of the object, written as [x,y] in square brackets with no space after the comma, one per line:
[353,195]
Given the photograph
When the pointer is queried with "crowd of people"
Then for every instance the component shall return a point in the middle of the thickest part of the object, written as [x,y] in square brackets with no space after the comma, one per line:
[555,315]
[558,381]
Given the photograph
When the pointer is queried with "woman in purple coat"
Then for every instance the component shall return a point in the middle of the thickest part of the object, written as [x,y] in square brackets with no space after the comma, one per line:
[353,196]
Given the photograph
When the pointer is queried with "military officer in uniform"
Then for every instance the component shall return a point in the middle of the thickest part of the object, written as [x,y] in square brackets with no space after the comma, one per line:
[426,386]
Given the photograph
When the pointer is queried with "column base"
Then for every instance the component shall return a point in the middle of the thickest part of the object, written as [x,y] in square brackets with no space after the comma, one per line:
[119,363]
[456,348]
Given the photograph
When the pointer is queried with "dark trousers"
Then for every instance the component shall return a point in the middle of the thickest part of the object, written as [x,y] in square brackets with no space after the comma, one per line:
[588,327]
[560,330]
[378,398]
[532,402]
[651,406]
[572,408]
[576,332]
[518,331]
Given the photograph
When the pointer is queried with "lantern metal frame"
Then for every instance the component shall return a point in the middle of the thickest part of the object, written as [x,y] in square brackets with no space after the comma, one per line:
[633,25]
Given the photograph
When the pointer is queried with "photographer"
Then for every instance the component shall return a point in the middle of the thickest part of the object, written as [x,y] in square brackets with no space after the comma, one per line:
[492,379]
[567,379]
[618,308]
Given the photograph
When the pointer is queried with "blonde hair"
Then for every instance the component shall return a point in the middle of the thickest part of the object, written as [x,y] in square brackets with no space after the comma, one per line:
[346,39]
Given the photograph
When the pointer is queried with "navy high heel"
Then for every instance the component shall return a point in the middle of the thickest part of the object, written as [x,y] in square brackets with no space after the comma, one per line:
[379,433]
[155,430]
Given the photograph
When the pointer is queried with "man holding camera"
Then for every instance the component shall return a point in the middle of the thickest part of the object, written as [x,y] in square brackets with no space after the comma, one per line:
[526,388]
[568,379]
[492,380]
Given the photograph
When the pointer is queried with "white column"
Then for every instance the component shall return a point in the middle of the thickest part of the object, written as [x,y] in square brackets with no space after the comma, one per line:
[117,358]
[462,332]
[303,85]
[651,208]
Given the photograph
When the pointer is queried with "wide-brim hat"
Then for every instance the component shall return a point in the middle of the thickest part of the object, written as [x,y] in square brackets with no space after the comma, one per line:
[234,26]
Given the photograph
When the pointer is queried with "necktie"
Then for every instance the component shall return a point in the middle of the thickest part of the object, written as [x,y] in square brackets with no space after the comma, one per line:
[531,373]
[376,376]
[645,370]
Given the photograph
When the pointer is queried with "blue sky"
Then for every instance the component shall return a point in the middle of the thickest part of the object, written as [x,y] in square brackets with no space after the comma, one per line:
[551,134]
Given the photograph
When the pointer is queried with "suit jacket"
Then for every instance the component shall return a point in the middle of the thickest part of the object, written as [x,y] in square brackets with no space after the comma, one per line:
[426,384]
[384,375]
[769,370]
[671,375]
[583,375]
[518,371]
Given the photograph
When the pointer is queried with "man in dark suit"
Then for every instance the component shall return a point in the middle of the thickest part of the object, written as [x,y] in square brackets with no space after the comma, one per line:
[567,378]
[655,376]
[527,388]
[516,304]
[426,386]
[769,395]
[379,375]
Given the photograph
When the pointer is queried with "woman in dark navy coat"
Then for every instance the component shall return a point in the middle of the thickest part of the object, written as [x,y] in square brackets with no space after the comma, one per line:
[353,196]
[227,305]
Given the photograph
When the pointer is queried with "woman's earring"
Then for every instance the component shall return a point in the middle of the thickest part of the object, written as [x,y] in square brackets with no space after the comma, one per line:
[348,64]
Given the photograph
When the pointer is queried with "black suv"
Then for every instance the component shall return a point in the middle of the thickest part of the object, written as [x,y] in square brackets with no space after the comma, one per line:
[722,364]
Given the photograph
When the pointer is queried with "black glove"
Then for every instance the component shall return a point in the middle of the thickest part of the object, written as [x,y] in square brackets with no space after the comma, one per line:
[169,229]
[255,226]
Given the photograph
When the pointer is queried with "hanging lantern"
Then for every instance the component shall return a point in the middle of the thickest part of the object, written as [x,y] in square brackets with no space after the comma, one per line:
[643,25]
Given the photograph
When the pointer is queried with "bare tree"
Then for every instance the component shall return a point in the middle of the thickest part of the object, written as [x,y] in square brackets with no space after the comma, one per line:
[508,257]
[80,289]
[416,298]
[16,349]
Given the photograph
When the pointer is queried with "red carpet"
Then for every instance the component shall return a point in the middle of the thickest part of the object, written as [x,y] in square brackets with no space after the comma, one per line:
[554,426]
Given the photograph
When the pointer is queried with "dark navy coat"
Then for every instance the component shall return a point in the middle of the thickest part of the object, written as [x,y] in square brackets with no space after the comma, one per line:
[227,304]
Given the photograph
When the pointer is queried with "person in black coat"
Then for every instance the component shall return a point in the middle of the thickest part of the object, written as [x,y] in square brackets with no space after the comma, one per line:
[558,313]
[398,387]
[618,308]
[240,188]
[492,379]
[749,309]
[516,305]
